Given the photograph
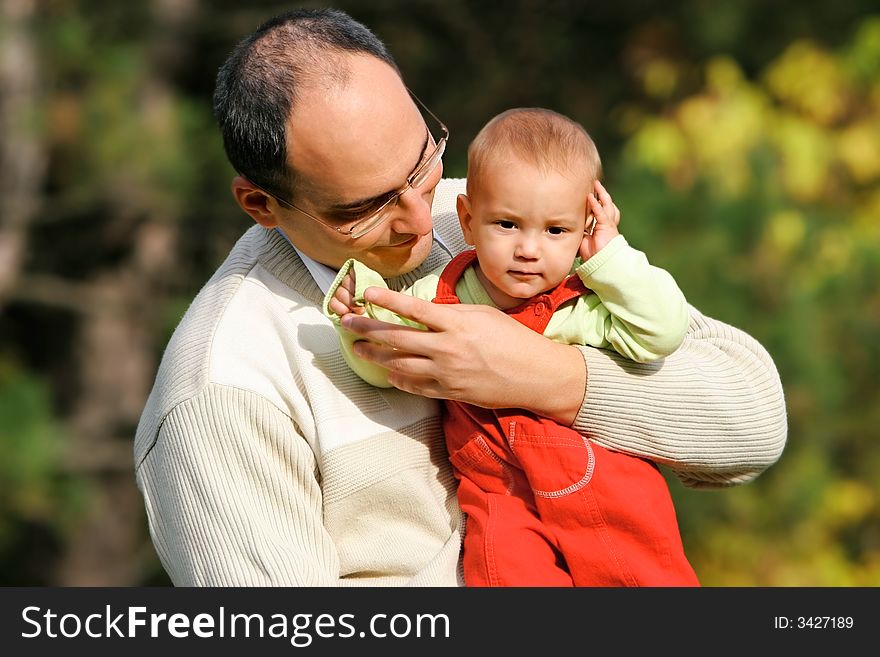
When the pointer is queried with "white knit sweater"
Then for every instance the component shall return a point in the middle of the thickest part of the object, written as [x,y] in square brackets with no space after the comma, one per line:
[263,460]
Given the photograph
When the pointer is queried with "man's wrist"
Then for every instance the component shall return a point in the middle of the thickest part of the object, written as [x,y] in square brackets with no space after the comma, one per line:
[557,386]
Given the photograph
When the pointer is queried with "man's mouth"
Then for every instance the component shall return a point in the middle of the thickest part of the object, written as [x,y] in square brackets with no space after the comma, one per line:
[409,241]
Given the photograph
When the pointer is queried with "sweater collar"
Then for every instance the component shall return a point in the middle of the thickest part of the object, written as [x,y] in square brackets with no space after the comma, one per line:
[291,267]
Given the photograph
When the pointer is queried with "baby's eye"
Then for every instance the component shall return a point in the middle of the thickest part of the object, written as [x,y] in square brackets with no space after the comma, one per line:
[506,224]
[556,230]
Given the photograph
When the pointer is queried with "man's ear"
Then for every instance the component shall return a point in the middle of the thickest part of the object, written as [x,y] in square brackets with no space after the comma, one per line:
[253,200]
[463,207]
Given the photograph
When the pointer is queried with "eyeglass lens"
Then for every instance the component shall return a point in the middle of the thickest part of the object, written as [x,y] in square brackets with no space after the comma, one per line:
[418,178]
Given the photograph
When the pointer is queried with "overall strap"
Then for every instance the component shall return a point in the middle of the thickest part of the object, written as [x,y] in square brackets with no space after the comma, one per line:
[534,313]
[450,276]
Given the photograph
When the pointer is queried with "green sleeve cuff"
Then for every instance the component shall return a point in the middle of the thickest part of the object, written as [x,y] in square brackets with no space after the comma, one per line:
[586,269]
[364,277]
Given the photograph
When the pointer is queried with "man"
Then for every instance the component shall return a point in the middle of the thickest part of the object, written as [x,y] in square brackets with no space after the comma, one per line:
[263,460]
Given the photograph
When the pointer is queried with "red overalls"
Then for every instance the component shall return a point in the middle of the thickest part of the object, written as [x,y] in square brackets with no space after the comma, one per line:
[547,507]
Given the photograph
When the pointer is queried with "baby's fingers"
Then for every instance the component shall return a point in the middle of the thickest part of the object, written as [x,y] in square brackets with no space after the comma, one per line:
[343,300]
[603,208]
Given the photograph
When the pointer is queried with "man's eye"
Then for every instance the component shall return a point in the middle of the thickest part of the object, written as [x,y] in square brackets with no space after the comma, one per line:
[356,214]
[349,215]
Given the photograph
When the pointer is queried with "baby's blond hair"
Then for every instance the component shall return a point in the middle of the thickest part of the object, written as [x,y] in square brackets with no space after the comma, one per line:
[538,136]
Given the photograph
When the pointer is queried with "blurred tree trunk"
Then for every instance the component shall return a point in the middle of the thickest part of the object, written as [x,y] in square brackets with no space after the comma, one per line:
[22,153]
[115,347]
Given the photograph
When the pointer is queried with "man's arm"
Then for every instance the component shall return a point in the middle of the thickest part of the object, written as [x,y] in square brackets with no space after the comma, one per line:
[232,498]
[713,411]
[471,353]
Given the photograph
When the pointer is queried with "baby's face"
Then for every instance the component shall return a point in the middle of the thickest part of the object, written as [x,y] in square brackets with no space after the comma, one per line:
[526,225]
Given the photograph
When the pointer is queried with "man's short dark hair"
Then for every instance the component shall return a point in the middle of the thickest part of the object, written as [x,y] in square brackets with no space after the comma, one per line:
[258,84]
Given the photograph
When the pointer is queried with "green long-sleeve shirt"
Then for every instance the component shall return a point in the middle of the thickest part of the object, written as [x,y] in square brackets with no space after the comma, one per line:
[633,307]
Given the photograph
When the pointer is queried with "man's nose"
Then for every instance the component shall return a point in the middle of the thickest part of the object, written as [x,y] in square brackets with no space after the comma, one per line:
[413,213]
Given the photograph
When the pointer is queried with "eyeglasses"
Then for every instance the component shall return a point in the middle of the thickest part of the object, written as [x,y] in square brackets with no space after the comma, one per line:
[375,217]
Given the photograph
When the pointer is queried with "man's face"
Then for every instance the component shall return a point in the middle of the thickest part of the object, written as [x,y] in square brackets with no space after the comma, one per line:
[350,145]
[526,224]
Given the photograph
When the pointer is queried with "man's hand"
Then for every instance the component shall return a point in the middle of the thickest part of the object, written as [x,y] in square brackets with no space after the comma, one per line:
[343,301]
[471,353]
[602,222]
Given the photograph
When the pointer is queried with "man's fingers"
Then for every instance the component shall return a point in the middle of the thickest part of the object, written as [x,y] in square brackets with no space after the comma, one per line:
[416,385]
[397,361]
[418,310]
[407,372]
[405,339]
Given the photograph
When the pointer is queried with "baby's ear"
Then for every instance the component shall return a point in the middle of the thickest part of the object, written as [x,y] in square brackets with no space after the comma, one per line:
[463,207]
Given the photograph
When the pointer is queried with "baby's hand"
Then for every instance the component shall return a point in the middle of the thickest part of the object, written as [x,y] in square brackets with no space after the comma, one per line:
[602,219]
[343,301]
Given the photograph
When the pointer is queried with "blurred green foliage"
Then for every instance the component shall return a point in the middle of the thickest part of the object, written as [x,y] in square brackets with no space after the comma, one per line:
[38,503]
[764,198]
[741,141]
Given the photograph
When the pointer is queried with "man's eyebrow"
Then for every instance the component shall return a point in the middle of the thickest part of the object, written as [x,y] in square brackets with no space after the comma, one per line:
[384,196]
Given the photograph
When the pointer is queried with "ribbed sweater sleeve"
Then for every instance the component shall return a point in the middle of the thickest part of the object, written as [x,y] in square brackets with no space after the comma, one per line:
[232,496]
[714,411]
